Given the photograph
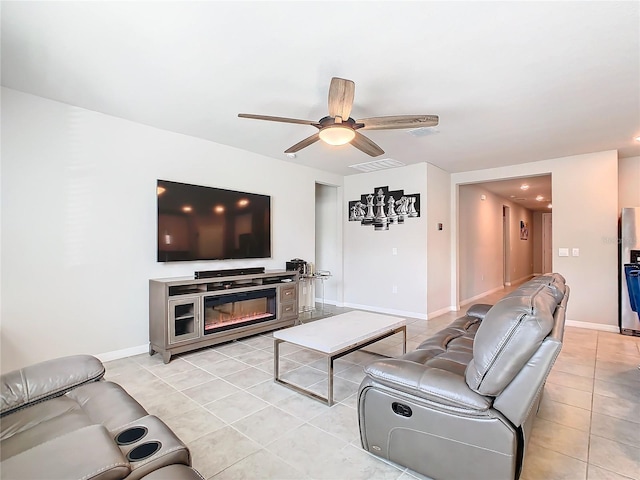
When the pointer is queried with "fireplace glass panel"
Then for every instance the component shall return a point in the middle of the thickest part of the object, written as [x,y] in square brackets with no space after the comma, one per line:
[223,312]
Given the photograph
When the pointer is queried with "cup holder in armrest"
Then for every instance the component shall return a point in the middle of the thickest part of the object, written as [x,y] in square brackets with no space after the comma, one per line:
[131,435]
[143,451]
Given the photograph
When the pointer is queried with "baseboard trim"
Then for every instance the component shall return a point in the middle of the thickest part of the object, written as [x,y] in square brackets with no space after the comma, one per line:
[483,294]
[126,352]
[442,311]
[388,311]
[592,326]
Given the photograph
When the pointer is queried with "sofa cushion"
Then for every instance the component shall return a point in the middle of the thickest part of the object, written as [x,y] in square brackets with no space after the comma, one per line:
[104,403]
[36,383]
[86,453]
[510,334]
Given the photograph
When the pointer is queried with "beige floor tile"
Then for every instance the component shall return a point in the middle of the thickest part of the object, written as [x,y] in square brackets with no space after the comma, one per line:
[193,424]
[353,463]
[180,381]
[574,368]
[354,374]
[543,463]
[351,401]
[304,376]
[167,405]
[570,380]
[285,366]
[236,406]
[248,377]
[303,407]
[255,357]
[295,447]
[339,365]
[271,392]
[340,421]
[616,429]
[597,473]
[210,391]
[559,438]
[564,414]
[304,356]
[342,388]
[616,407]
[615,456]
[267,425]
[176,365]
[570,396]
[215,451]
[258,341]
[234,348]
[617,390]
[618,373]
[261,464]
[224,367]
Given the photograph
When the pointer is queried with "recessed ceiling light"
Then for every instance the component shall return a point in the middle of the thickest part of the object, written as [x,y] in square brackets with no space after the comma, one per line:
[524,186]
[539,198]
[160,190]
[549,206]
[187,208]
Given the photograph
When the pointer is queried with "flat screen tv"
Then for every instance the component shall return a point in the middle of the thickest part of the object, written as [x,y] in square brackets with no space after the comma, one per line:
[206,223]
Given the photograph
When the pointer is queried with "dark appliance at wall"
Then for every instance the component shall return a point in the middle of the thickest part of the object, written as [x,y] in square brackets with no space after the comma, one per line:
[298,265]
[629,281]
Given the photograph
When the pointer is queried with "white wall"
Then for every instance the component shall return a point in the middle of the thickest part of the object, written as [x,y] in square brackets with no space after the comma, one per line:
[370,268]
[585,213]
[629,182]
[480,227]
[79,222]
[438,241]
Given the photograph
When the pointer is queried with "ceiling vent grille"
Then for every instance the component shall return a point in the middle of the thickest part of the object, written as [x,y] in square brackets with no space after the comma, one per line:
[377,165]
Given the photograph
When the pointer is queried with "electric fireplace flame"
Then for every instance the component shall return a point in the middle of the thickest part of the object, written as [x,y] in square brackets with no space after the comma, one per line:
[235,312]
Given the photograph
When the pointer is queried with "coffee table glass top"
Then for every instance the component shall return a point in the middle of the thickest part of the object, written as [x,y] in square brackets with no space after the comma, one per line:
[332,334]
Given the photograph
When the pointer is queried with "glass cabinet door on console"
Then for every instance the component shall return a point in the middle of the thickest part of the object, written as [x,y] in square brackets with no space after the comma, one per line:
[184,319]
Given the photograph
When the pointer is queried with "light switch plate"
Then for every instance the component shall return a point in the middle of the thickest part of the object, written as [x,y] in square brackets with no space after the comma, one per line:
[563,252]
[575,252]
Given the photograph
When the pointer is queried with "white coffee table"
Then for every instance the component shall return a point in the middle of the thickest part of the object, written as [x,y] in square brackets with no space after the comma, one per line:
[336,337]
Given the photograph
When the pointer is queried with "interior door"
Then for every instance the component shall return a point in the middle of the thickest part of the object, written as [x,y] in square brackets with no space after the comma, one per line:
[547,244]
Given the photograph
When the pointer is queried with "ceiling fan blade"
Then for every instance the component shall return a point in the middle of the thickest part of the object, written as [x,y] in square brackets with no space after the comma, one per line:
[304,143]
[341,93]
[279,119]
[367,146]
[399,121]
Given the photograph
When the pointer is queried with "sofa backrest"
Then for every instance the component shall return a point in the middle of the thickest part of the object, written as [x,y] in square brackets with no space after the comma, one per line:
[511,333]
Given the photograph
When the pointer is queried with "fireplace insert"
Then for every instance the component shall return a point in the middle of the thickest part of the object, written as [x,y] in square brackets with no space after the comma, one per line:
[224,312]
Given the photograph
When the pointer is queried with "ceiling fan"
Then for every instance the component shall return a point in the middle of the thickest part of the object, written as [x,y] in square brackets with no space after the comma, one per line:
[338,128]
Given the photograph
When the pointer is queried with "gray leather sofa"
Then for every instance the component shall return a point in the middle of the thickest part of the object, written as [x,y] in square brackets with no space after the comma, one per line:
[461,405]
[60,420]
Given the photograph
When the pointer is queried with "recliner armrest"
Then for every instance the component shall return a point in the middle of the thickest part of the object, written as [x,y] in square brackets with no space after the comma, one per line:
[434,384]
[39,382]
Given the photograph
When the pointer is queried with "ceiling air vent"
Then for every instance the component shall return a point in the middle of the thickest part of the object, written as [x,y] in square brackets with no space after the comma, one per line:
[377,165]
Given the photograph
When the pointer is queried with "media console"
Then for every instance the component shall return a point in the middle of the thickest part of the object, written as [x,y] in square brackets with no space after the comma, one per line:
[189,313]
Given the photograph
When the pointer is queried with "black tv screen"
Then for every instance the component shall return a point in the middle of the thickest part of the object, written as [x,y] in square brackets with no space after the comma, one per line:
[206,223]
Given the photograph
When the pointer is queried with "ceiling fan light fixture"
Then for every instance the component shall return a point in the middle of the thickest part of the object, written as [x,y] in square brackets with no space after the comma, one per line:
[337,135]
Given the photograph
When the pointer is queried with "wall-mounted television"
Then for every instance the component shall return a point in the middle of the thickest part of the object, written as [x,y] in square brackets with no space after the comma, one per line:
[206,223]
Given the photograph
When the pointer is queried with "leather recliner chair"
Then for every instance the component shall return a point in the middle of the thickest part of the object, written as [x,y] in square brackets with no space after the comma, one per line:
[462,404]
[60,420]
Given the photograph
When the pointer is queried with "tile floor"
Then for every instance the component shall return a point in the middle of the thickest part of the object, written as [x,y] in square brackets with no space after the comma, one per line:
[238,424]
